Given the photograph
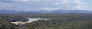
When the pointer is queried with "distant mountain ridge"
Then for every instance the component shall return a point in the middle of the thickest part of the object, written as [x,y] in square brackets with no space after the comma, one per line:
[46,12]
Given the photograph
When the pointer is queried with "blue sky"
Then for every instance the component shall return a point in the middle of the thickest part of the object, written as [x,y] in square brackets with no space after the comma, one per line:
[48,5]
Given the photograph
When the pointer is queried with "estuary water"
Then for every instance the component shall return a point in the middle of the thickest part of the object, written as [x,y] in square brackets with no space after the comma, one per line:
[33,19]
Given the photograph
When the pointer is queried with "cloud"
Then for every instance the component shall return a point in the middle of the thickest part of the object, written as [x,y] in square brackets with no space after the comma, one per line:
[64,1]
[29,5]
[80,5]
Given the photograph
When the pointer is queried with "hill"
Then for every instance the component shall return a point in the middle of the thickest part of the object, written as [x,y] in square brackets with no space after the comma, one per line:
[43,12]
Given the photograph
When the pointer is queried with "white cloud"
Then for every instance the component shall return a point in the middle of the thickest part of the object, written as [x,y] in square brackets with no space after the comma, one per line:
[43,5]
[24,0]
[64,1]
[73,4]
[80,5]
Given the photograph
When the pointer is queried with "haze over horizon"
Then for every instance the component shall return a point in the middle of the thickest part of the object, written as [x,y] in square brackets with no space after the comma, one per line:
[48,5]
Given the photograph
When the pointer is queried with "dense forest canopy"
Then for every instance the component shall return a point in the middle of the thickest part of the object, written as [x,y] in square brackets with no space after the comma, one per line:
[13,18]
[58,21]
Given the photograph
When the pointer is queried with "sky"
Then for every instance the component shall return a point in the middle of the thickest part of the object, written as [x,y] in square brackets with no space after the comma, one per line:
[48,5]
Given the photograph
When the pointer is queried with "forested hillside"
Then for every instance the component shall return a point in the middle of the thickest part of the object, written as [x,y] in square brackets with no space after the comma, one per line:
[13,18]
[57,21]
[7,25]
[63,21]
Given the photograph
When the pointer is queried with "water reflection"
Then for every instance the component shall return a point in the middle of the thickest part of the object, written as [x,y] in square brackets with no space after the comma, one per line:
[34,19]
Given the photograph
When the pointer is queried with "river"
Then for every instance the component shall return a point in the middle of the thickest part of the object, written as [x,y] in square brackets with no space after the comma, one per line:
[33,19]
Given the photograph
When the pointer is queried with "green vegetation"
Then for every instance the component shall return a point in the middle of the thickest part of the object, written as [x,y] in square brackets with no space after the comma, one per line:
[58,21]
[13,18]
